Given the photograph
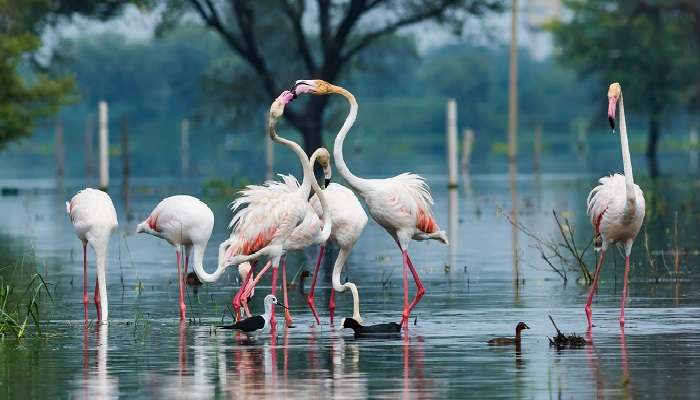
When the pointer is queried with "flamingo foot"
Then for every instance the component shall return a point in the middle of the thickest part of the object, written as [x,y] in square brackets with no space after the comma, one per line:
[310,302]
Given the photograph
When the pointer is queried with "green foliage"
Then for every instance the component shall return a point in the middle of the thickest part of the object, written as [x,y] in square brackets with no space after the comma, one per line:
[17,308]
[646,46]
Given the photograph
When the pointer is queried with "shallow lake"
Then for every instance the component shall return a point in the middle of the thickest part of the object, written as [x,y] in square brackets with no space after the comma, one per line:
[492,278]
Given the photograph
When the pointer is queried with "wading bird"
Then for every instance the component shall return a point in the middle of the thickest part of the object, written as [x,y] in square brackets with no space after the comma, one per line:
[261,228]
[94,219]
[348,220]
[401,204]
[616,206]
[310,232]
[259,322]
[186,223]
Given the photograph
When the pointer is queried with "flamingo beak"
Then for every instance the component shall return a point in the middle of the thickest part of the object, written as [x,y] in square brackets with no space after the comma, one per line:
[612,106]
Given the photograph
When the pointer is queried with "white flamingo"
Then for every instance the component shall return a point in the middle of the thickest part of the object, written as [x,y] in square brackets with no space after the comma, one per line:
[616,207]
[348,221]
[262,228]
[186,223]
[401,204]
[94,219]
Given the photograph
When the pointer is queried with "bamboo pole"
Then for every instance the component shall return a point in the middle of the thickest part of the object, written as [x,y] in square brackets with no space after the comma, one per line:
[452,143]
[59,148]
[104,146]
[513,86]
[185,147]
[537,147]
[467,147]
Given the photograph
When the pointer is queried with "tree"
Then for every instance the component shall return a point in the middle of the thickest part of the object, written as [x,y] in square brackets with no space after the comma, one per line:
[27,90]
[641,43]
[259,32]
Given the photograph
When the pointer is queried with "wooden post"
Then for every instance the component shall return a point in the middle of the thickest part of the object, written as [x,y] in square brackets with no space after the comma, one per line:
[125,165]
[58,144]
[513,85]
[537,147]
[269,155]
[693,143]
[104,146]
[452,143]
[185,147]
[467,147]
[89,150]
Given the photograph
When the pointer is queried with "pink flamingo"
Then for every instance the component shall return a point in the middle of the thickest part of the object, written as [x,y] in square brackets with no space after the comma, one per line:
[401,204]
[94,219]
[616,207]
[262,227]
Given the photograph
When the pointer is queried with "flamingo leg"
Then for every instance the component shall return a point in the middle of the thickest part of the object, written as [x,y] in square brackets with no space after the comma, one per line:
[236,301]
[405,313]
[420,290]
[97,299]
[273,320]
[85,296]
[179,283]
[331,304]
[245,303]
[624,292]
[287,315]
[594,286]
[249,288]
[310,297]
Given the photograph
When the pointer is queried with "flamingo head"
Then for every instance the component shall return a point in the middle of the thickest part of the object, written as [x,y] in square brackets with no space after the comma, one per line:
[324,160]
[277,107]
[313,86]
[614,93]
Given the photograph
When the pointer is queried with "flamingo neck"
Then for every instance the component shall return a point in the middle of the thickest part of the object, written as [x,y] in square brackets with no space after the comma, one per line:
[626,159]
[100,249]
[340,261]
[203,275]
[327,224]
[354,181]
[305,187]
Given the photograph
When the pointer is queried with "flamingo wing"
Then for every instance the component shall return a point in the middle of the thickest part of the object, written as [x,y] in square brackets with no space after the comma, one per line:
[410,194]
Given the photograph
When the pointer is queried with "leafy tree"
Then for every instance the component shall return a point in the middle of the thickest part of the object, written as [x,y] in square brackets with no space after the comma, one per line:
[275,42]
[643,44]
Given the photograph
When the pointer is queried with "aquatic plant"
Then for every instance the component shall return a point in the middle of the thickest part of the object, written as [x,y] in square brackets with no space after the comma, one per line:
[16,309]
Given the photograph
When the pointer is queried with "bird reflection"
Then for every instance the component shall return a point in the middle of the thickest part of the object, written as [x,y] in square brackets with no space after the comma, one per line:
[625,364]
[97,383]
[592,356]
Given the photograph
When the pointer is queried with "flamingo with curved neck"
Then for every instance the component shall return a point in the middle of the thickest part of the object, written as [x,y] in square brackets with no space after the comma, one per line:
[400,204]
[616,207]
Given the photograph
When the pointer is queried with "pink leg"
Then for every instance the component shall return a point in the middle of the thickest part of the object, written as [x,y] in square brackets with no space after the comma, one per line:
[249,288]
[624,292]
[85,296]
[273,321]
[331,305]
[594,287]
[236,302]
[420,290]
[287,315]
[310,297]
[97,300]
[179,282]
[405,313]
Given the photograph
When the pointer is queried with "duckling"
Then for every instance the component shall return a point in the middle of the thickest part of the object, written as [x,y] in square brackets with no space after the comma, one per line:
[383,331]
[502,341]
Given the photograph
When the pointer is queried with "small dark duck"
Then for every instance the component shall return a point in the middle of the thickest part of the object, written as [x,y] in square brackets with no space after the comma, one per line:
[379,331]
[504,341]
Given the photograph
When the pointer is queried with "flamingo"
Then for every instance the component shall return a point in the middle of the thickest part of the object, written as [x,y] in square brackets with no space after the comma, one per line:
[186,223]
[615,207]
[262,227]
[400,204]
[94,219]
[348,220]
[310,232]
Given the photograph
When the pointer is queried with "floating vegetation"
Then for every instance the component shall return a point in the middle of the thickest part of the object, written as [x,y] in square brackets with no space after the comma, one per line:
[16,309]
[561,341]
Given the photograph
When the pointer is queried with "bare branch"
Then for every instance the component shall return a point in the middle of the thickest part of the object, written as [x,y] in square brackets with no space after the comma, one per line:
[295,17]
[211,18]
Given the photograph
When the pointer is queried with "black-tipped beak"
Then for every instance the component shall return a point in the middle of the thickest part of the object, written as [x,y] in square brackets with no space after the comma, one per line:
[326,182]
[293,90]
[612,122]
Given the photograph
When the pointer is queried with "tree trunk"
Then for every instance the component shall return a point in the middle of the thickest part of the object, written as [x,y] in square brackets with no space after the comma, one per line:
[653,144]
[312,133]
